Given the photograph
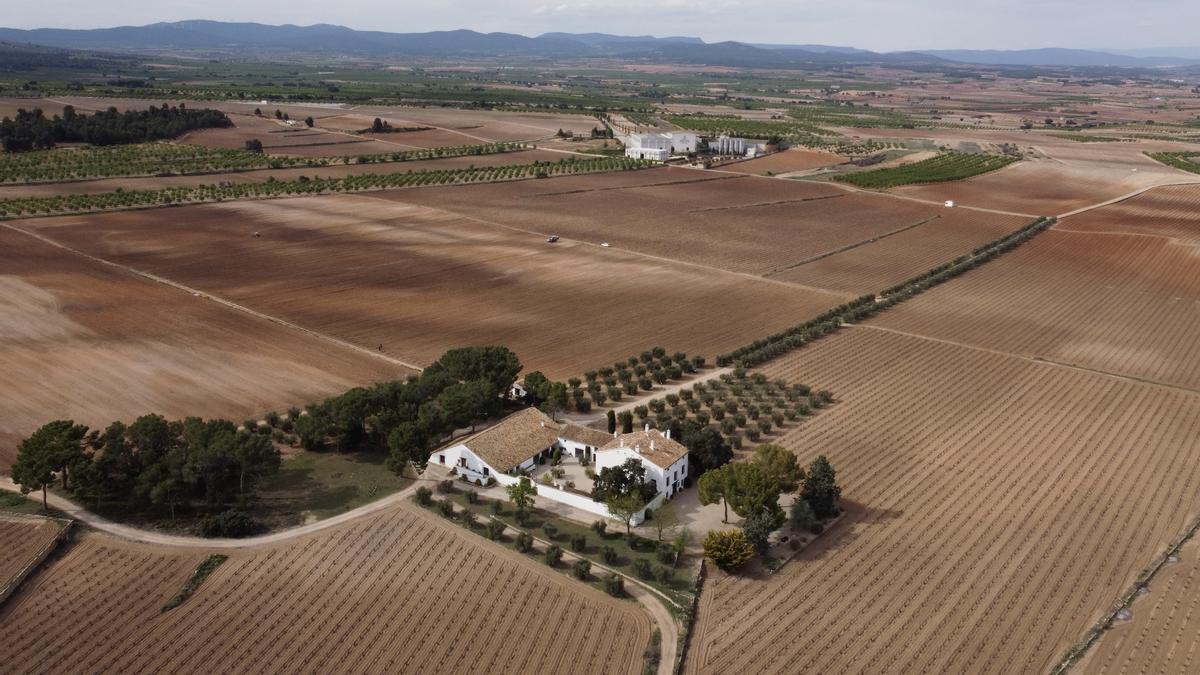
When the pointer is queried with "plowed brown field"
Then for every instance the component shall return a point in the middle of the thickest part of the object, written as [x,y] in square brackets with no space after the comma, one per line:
[996,506]
[397,592]
[749,225]
[1164,634]
[894,258]
[1101,291]
[83,340]
[418,280]
[20,540]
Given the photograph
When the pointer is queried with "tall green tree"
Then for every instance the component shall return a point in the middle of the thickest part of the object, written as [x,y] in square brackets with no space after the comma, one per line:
[52,448]
[821,490]
[521,494]
[781,464]
[712,488]
[624,508]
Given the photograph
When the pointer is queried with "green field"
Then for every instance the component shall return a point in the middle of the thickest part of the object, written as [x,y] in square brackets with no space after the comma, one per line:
[944,167]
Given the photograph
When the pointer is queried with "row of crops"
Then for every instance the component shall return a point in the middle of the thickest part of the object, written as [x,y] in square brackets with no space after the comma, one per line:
[1180,160]
[944,167]
[162,159]
[125,199]
[732,126]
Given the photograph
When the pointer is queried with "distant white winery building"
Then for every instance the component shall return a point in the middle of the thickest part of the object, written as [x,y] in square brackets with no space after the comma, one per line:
[660,146]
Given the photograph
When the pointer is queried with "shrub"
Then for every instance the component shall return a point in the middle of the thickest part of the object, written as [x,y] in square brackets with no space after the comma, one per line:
[272,418]
[578,543]
[550,529]
[495,529]
[728,549]
[424,496]
[446,508]
[231,523]
[614,585]
[666,555]
[609,555]
[524,542]
[553,555]
[664,575]
[643,569]
[472,497]
[468,518]
[581,569]
[600,527]
[496,506]
[446,486]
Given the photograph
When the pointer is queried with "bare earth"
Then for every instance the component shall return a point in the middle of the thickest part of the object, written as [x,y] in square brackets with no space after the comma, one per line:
[371,596]
[85,341]
[420,280]
[20,540]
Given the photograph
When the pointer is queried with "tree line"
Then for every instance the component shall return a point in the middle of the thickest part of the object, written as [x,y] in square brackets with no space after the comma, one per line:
[407,418]
[153,462]
[32,130]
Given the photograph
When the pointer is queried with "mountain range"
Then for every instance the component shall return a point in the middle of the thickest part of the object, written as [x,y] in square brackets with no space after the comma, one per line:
[215,37]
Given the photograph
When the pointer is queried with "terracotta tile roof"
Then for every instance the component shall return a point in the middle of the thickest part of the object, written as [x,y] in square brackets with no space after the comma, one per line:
[651,445]
[585,435]
[515,439]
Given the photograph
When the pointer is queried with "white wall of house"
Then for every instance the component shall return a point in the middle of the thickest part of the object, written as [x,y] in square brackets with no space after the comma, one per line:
[668,481]
[460,458]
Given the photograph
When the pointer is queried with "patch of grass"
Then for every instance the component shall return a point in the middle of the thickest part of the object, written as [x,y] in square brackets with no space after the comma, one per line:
[12,502]
[317,485]
[201,572]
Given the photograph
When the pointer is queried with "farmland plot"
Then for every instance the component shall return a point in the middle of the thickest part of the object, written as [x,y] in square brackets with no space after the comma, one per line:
[1120,300]
[400,591]
[85,341]
[990,517]
[748,225]
[794,159]
[1162,636]
[21,538]
[894,258]
[417,281]
[97,186]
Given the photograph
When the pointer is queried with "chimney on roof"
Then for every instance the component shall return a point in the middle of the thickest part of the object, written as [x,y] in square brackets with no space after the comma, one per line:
[651,444]
[615,434]
[543,424]
[668,434]
[647,426]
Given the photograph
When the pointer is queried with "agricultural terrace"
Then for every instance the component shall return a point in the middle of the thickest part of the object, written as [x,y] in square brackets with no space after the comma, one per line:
[156,159]
[380,274]
[1114,289]
[980,504]
[120,199]
[802,232]
[414,578]
[58,310]
[947,166]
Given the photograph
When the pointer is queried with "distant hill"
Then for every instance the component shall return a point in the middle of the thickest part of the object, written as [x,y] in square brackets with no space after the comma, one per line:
[1053,56]
[217,37]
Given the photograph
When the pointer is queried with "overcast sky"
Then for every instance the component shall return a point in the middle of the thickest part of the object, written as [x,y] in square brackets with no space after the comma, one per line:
[869,24]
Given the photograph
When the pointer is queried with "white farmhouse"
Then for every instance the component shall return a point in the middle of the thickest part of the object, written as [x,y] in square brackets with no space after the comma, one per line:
[665,460]
[502,453]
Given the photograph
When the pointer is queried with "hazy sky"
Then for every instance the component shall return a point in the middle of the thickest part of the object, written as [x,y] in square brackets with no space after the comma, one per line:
[869,24]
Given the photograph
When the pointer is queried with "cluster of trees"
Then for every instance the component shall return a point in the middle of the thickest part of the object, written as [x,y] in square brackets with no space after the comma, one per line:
[31,129]
[150,463]
[636,374]
[121,199]
[407,417]
[381,126]
[624,490]
[752,489]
